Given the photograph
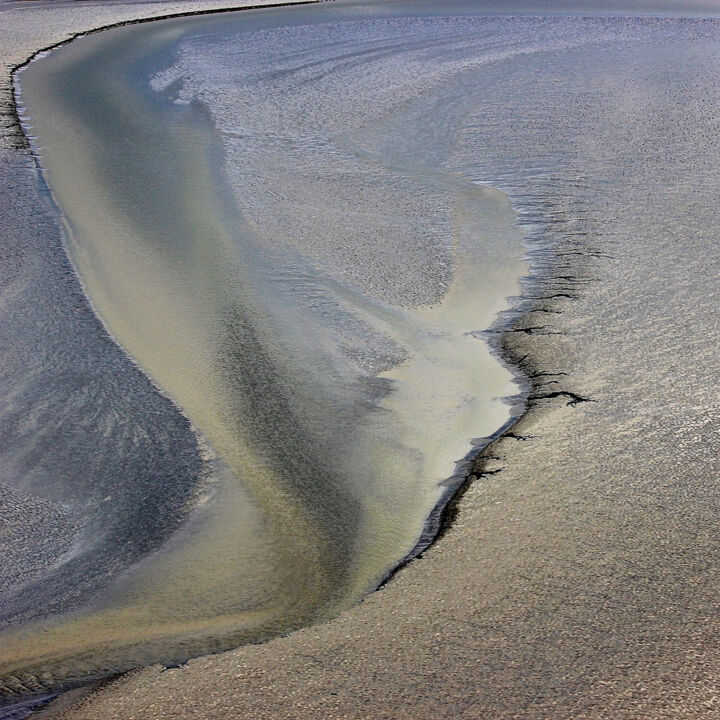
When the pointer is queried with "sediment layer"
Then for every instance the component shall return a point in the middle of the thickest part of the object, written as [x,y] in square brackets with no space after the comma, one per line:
[334,374]
[579,579]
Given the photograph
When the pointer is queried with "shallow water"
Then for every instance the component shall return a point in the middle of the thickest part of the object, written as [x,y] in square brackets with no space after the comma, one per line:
[279,215]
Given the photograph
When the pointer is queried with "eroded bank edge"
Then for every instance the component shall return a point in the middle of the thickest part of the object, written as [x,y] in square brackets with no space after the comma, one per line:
[559,270]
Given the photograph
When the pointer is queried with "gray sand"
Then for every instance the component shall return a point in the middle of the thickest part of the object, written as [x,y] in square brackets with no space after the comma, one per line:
[70,397]
[580,581]
[328,470]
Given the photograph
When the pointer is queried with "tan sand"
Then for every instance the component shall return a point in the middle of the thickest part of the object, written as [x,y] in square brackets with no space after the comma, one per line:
[581,581]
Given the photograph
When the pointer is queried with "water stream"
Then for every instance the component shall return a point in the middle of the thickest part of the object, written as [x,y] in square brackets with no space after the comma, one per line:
[278,215]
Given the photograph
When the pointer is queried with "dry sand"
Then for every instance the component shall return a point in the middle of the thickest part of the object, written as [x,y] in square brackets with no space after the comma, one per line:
[580,576]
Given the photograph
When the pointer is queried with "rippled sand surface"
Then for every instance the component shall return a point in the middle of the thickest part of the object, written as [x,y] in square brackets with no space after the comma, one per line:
[281,218]
[581,580]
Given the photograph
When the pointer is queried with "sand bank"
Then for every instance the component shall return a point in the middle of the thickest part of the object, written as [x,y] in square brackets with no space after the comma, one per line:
[580,576]
[58,367]
[337,408]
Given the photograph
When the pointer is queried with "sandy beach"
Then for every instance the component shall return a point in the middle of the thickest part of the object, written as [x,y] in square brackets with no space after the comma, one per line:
[578,574]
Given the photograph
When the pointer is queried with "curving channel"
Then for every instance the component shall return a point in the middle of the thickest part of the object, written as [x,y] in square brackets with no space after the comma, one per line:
[279,215]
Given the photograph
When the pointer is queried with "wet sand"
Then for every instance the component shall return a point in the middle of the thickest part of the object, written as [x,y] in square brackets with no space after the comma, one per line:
[580,576]
[336,376]
[70,396]
[580,580]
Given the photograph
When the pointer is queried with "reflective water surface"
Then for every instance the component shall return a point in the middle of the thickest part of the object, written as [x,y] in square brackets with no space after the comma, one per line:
[280,216]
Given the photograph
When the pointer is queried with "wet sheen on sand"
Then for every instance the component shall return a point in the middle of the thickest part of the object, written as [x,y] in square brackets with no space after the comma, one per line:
[277,216]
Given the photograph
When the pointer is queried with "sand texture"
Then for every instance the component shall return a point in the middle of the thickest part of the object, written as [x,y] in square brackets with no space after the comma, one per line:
[333,401]
[58,368]
[579,578]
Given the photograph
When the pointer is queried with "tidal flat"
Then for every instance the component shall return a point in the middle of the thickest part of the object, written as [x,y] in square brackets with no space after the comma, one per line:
[578,578]
[327,355]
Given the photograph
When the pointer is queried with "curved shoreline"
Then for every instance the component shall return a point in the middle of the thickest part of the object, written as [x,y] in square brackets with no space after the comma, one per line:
[581,582]
[17,124]
[442,516]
